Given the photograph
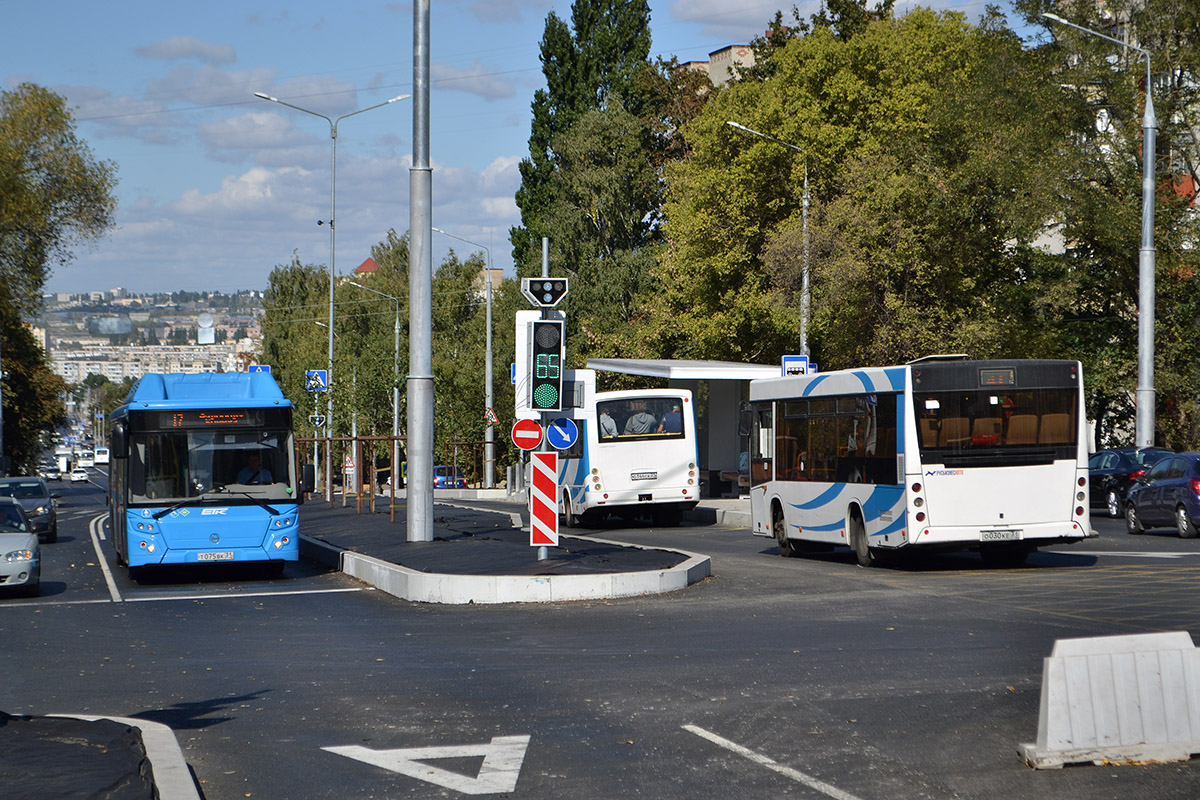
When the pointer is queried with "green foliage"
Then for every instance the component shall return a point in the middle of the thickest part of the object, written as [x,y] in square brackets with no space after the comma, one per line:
[54,196]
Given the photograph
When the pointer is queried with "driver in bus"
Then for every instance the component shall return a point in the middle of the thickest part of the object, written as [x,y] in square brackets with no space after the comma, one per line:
[254,473]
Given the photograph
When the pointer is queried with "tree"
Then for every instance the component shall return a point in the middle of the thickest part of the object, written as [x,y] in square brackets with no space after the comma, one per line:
[54,196]
[588,66]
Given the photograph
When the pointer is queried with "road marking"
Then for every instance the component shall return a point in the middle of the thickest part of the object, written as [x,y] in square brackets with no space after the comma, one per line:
[239,595]
[1138,554]
[502,760]
[758,758]
[94,527]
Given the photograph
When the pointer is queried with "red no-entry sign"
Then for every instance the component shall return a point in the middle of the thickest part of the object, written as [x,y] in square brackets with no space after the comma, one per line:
[526,434]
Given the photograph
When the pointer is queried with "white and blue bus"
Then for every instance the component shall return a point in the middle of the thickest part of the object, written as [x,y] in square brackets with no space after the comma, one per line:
[636,455]
[939,454]
[203,468]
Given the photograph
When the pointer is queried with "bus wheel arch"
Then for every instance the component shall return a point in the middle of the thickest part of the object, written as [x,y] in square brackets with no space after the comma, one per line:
[569,518]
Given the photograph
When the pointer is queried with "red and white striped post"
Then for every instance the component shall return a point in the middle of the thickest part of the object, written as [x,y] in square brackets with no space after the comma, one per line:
[543,500]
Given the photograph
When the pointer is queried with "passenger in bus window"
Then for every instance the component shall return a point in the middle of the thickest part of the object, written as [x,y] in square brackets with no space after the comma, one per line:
[672,421]
[608,428]
[641,422]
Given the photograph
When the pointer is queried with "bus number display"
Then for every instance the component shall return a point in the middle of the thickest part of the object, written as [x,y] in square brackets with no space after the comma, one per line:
[206,418]
[997,377]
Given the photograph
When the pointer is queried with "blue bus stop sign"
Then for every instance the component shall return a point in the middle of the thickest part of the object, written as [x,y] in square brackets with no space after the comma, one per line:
[562,433]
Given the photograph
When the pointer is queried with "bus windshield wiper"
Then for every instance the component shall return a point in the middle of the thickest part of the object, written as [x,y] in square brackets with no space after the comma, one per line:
[191,501]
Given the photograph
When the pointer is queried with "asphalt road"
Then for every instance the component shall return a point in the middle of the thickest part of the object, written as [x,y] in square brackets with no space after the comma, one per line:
[806,678]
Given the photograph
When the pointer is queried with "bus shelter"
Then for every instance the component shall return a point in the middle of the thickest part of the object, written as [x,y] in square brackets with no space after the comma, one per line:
[720,389]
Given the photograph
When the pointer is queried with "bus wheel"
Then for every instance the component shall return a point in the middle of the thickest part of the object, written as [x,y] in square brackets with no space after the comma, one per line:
[569,517]
[787,548]
[863,553]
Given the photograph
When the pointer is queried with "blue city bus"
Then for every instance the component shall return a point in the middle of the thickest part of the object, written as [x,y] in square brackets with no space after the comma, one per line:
[203,469]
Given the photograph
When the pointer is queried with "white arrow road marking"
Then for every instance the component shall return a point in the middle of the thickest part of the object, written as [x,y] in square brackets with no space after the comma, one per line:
[502,759]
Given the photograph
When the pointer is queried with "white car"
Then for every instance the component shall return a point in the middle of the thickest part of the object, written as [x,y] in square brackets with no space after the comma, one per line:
[79,474]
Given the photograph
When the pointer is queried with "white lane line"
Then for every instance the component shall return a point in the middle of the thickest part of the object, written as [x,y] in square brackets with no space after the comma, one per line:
[94,527]
[1134,553]
[758,758]
[240,595]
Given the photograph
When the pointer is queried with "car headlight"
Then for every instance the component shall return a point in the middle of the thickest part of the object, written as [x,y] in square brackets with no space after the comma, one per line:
[41,510]
[18,555]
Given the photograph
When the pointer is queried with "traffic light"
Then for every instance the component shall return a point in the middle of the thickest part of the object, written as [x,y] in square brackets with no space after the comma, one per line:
[545,365]
[544,292]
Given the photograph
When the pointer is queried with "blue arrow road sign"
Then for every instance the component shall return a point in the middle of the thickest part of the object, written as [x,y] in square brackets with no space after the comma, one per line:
[562,433]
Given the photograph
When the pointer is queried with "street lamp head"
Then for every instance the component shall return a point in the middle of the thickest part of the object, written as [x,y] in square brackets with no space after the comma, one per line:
[1054,17]
[265,96]
[399,97]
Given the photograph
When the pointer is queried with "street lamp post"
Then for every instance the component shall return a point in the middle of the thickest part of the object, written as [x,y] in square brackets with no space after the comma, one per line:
[804,290]
[489,433]
[1144,426]
[333,125]
[395,389]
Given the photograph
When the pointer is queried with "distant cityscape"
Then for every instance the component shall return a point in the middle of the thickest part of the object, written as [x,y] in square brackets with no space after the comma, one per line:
[122,335]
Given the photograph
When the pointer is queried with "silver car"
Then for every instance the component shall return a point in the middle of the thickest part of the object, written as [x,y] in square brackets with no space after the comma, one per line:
[20,557]
[39,505]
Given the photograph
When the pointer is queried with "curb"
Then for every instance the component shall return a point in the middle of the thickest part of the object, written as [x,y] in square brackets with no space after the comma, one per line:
[432,587]
[172,778]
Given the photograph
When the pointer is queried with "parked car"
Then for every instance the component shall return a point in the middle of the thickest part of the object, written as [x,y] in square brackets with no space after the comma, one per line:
[20,554]
[1111,473]
[79,474]
[445,477]
[1169,494]
[36,500]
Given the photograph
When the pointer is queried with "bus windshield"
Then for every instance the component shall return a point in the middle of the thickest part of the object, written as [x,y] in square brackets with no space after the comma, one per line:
[990,427]
[170,466]
[637,419]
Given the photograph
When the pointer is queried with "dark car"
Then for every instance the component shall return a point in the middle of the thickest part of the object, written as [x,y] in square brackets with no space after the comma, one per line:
[1169,494]
[40,506]
[1111,473]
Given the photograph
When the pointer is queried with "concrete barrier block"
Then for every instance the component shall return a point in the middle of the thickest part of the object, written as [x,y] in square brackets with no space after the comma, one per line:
[1118,699]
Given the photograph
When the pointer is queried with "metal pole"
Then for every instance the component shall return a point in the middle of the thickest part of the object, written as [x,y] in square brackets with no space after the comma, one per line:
[420,294]
[804,268]
[1145,422]
[333,123]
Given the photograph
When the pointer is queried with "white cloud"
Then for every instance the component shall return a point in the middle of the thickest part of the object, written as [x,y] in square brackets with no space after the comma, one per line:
[188,47]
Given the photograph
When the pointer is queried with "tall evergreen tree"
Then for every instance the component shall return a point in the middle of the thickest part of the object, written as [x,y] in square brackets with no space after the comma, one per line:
[589,65]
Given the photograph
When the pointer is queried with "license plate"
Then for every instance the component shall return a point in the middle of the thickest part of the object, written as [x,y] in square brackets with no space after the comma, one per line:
[226,555]
[643,476]
[999,536]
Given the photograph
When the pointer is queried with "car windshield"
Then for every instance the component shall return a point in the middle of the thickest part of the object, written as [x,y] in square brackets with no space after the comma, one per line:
[25,490]
[1145,458]
[10,519]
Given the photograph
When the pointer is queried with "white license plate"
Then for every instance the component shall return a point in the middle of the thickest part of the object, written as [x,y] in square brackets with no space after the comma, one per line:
[643,476]
[226,555]
[999,536]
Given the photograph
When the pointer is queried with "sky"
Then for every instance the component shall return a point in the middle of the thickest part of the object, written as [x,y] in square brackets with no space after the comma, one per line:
[217,187]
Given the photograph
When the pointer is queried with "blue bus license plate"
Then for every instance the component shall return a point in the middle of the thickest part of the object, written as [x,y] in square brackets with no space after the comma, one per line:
[226,555]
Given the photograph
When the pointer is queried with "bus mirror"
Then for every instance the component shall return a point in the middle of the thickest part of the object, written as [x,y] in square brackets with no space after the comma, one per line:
[118,441]
[308,479]
[745,419]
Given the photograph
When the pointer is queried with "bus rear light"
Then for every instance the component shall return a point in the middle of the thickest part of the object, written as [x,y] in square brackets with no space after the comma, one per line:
[918,502]
[1082,481]
[920,516]
[1079,511]
[916,487]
